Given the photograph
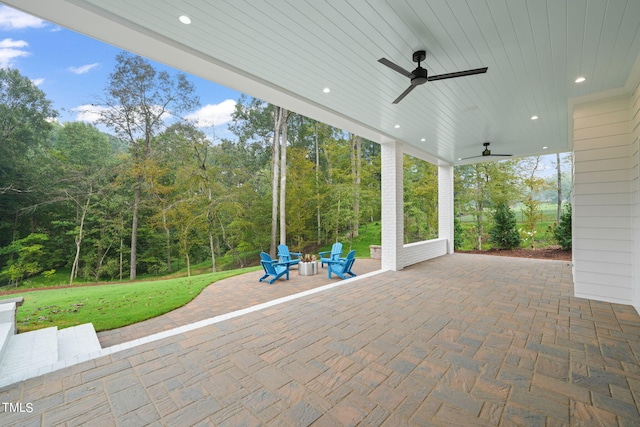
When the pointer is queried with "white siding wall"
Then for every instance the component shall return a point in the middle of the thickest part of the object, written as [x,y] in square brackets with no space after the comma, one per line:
[603,243]
[634,170]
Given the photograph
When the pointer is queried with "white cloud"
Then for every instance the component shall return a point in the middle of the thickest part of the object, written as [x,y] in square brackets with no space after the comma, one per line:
[89,112]
[10,50]
[83,68]
[213,114]
[11,19]
[37,82]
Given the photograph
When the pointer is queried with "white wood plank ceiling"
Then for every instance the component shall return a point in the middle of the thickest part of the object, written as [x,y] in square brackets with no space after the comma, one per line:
[288,51]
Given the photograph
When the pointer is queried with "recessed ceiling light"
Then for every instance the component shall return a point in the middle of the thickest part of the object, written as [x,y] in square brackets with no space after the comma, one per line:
[459,158]
[580,79]
[185,19]
[423,139]
[397,126]
[545,147]
[326,90]
[534,117]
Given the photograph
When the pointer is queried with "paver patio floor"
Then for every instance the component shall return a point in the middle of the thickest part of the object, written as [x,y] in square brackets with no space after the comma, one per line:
[231,294]
[458,340]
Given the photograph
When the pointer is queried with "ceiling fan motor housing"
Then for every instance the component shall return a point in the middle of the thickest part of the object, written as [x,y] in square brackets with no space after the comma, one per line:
[419,76]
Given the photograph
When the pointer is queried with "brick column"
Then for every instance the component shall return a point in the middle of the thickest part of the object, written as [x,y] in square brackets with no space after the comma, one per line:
[392,206]
[445,205]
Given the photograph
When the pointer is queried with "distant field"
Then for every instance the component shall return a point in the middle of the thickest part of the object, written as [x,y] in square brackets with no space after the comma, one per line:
[549,212]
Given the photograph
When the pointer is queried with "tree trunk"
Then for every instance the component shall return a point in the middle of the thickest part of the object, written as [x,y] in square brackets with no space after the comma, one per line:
[356,165]
[121,257]
[559,212]
[274,181]
[338,218]
[319,225]
[99,266]
[186,256]
[283,177]
[213,253]
[234,252]
[78,239]
[167,233]
[210,227]
[134,228]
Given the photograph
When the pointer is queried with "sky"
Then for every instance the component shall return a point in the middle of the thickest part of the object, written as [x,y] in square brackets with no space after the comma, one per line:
[73,70]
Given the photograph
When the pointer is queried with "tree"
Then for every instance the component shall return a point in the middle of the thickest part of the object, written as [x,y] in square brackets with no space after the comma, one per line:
[25,123]
[27,255]
[83,154]
[139,99]
[562,233]
[284,116]
[420,199]
[504,233]
[533,185]
[484,185]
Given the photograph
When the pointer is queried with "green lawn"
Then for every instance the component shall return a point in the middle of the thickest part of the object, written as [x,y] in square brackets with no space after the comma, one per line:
[111,306]
[369,234]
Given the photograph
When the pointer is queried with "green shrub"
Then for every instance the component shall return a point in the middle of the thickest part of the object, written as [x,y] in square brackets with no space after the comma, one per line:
[504,233]
[458,233]
[562,232]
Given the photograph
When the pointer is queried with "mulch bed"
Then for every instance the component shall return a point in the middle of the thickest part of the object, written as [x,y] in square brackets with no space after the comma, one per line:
[551,252]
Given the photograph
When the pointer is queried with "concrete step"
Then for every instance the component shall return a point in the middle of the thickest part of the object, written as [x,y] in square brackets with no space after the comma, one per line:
[77,340]
[30,351]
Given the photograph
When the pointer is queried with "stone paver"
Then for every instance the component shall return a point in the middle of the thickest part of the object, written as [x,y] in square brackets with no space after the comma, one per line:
[458,340]
[225,296]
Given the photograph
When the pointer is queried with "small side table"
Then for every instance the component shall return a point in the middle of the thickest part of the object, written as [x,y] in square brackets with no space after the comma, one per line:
[308,268]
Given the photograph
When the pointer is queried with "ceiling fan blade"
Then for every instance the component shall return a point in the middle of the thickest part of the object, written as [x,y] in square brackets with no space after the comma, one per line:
[472,157]
[458,74]
[403,94]
[395,67]
[501,155]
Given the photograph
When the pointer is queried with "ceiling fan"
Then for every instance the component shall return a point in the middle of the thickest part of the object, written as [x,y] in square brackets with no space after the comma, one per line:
[487,153]
[420,76]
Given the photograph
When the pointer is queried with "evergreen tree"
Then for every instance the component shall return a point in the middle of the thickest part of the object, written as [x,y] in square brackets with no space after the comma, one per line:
[504,233]
[562,232]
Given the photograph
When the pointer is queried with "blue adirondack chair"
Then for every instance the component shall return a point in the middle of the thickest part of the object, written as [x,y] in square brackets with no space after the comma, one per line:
[334,254]
[272,268]
[342,267]
[287,257]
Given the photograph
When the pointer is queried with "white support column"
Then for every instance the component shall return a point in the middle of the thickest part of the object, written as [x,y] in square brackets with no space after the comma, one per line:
[392,206]
[445,205]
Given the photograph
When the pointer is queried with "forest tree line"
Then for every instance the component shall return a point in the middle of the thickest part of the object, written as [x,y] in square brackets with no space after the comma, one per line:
[153,189]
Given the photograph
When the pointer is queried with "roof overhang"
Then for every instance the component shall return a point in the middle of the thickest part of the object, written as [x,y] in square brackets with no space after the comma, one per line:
[286,53]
